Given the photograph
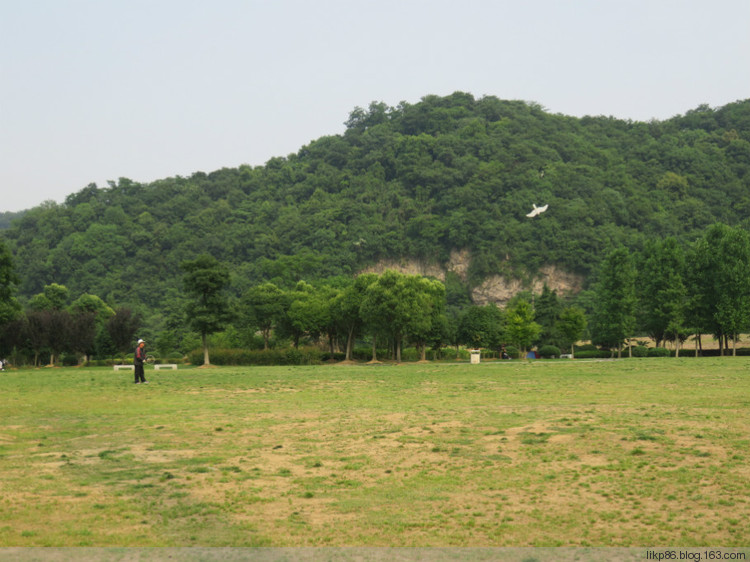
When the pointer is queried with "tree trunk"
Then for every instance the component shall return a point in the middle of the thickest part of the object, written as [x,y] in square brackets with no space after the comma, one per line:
[349,344]
[374,348]
[204,339]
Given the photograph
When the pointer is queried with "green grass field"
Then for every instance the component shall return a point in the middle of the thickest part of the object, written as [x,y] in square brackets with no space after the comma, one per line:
[546,453]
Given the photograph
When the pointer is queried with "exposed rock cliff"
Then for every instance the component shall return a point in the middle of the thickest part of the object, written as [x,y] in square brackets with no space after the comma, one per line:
[496,289]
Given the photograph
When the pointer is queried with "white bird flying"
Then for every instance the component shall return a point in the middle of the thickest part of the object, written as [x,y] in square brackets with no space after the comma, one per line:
[537,211]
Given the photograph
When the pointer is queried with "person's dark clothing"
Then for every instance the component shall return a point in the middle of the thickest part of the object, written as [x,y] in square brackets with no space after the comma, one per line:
[140,357]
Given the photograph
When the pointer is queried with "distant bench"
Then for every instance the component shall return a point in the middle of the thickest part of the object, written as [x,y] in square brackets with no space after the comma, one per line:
[166,366]
[566,356]
[157,366]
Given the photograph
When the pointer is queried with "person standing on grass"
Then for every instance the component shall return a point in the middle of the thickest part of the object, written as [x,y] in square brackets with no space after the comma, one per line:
[140,357]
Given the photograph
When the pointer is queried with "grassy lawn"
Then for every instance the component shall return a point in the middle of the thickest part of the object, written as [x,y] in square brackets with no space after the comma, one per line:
[635,452]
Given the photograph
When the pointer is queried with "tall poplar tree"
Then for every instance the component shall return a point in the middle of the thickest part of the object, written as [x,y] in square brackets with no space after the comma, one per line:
[614,320]
[661,290]
[719,285]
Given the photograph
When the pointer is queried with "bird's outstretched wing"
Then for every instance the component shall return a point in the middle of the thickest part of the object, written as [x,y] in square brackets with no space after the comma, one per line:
[537,210]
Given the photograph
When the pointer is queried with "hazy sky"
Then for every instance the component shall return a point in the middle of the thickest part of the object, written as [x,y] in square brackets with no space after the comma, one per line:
[95,90]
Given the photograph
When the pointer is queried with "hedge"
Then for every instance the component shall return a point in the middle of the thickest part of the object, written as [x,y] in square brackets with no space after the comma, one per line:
[658,352]
[290,356]
[592,354]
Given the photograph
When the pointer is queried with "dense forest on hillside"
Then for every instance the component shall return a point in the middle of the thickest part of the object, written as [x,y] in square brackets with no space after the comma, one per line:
[414,181]
[7,218]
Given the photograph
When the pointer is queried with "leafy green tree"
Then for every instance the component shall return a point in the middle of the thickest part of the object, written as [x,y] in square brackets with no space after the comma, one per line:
[699,277]
[451,323]
[53,297]
[92,304]
[720,282]
[521,329]
[328,296]
[425,328]
[457,294]
[733,284]
[661,291]
[263,307]
[10,309]
[571,326]
[547,310]
[306,313]
[89,316]
[615,300]
[482,326]
[346,309]
[397,305]
[204,282]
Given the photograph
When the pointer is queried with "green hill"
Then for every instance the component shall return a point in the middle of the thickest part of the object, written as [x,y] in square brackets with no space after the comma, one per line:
[412,182]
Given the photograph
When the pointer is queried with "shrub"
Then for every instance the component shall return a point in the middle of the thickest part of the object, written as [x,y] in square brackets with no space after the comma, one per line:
[69,360]
[593,354]
[658,352]
[514,352]
[549,351]
[365,353]
[290,356]
[639,351]
[442,353]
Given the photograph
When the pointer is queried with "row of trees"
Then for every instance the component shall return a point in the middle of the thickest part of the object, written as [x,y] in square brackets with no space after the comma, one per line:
[391,308]
[671,293]
[50,326]
[667,291]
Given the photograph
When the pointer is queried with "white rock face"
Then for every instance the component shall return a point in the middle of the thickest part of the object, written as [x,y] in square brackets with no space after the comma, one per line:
[496,289]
